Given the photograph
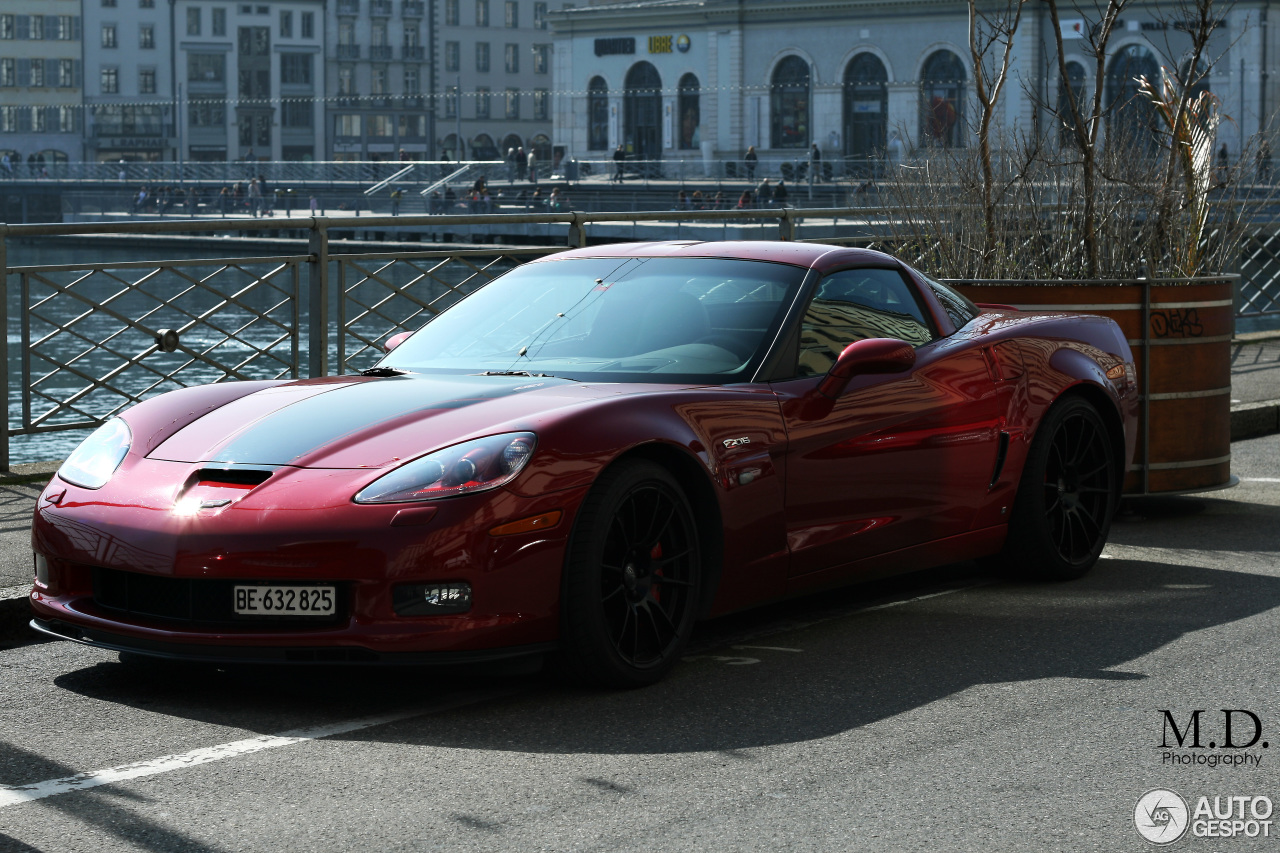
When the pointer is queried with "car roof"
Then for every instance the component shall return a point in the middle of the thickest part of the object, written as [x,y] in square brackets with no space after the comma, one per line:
[818,256]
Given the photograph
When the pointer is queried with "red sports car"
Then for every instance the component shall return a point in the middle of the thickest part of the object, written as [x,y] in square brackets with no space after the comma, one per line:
[587,455]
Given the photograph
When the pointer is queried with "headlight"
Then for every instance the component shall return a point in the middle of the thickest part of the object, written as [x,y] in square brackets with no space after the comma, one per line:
[98,456]
[473,466]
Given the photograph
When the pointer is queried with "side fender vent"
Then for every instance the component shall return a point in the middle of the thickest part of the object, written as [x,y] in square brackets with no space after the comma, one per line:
[1002,451]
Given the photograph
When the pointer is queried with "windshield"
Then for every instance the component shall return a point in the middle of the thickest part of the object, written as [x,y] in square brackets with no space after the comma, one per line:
[618,319]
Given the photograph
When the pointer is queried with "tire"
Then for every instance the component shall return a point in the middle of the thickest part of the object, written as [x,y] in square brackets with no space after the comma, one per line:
[1068,493]
[631,580]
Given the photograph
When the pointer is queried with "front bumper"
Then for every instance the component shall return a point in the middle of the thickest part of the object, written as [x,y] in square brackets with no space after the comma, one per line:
[299,655]
[365,551]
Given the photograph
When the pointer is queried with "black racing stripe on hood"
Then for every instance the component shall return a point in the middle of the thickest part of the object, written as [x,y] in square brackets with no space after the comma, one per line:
[309,424]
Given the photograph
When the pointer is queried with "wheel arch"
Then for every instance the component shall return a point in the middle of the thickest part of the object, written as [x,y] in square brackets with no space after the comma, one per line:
[698,488]
[1106,407]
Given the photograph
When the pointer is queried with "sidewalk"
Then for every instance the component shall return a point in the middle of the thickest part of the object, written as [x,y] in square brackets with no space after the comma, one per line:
[1255,410]
[1255,384]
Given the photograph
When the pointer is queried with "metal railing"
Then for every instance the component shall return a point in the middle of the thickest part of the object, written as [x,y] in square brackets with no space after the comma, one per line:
[92,337]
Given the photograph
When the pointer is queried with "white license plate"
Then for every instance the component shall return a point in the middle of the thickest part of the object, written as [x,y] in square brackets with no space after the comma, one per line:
[272,600]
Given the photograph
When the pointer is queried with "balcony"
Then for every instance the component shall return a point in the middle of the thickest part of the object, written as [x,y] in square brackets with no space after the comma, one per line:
[348,7]
[380,53]
[348,51]
[413,9]
[381,8]
[414,54]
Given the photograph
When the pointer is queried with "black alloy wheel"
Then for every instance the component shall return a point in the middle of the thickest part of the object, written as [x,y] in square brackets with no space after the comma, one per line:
[632,578]
[1068,494]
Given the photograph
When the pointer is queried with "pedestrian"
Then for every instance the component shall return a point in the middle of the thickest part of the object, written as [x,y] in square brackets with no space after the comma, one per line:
[224,200]
[745,202]
[123,172]
[450,198]
[255,198]
[696,201]
[521,163]
[404,156]
[140,200]
[1224,161]
[815,162]
[434,203]
[780,194]
[7,164]
[717,203]
[395,202]
[764,194]
[749,160]
[268,208]
[532,162]
[682,200]
[619,157]
[553,201]
[536,201]
[313,204]
[1264,162]
[511,166]
[193,202]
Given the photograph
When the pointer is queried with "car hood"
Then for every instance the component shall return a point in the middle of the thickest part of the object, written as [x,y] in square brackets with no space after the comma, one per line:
[371,422]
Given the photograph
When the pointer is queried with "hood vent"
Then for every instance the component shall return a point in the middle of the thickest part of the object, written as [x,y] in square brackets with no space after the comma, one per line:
[244,478]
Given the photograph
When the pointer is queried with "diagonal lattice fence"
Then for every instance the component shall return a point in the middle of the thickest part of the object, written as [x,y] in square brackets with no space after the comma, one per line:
[97,338]
[385,293]
[1259,291]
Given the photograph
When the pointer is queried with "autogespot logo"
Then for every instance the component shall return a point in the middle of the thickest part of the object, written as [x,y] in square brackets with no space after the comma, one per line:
[1161,816]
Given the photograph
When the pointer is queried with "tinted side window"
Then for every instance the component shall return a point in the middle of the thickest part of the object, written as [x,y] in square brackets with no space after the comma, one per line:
[958,308]
[852,305]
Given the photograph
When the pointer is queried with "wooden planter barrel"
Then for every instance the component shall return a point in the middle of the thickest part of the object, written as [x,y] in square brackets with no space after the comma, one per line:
[1180,331]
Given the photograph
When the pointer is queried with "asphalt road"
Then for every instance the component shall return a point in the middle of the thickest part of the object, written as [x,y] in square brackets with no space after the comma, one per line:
[948,711]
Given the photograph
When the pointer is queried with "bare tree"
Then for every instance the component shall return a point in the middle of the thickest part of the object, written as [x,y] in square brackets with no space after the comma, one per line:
[987,31]
[1085,119]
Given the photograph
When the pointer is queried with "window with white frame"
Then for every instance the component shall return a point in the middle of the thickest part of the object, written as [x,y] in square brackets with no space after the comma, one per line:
[513,103]
[147,36]
[147,81]
[109,78]
[108,35]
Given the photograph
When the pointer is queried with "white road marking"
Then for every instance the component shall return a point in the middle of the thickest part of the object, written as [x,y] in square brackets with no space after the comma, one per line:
[18,794]
[1260,479]
[768,648]
[920,598]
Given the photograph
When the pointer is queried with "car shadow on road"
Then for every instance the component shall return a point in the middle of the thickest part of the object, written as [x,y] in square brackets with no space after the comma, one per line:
[851,669]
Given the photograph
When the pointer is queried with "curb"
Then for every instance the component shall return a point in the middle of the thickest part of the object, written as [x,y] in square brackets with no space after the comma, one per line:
[1250,420]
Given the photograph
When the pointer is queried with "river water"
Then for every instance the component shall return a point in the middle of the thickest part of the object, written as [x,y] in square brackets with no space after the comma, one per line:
[86,362]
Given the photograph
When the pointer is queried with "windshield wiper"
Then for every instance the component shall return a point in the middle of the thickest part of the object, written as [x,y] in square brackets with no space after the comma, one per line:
[521,373]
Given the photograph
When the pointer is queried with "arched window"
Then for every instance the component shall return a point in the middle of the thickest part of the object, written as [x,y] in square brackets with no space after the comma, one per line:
[866,107]
[690,112]
[642,112]
[1070,86]
[942,96]
[449,148]
[1131,117]
[511,142]
[482,148]
[789,104]
[597,114]
[541,146]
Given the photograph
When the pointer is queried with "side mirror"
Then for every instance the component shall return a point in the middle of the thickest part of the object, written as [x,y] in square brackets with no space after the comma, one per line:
[396,340]
[873,355]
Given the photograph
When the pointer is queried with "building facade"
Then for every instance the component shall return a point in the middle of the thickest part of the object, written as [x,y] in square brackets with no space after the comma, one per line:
[41,79]
[495,77]
[250,78]
[129,94]
[860,79]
